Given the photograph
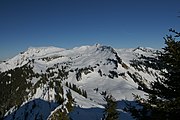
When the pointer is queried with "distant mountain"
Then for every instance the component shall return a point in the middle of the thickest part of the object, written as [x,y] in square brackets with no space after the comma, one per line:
[49,82]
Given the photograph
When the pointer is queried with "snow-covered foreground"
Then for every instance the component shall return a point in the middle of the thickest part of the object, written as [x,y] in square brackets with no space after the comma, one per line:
[94,69]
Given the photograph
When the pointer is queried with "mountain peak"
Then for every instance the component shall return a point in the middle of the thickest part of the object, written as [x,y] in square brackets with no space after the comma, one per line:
[44,50]
[43,76]
[145,49]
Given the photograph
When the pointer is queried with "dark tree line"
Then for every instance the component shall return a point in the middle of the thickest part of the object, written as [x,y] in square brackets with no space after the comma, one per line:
[76,89]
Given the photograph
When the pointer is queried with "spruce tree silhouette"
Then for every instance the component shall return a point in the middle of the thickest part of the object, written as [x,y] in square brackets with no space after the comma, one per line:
[163,101]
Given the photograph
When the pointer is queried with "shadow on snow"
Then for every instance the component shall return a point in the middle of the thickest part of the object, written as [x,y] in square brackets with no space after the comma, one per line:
[39,109]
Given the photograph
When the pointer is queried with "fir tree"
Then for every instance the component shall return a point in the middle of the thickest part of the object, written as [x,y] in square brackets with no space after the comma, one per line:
[69,104]
[110,112]
[84,93]
[163,101]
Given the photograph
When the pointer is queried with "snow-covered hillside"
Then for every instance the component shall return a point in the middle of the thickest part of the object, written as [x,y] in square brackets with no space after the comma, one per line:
[36,83]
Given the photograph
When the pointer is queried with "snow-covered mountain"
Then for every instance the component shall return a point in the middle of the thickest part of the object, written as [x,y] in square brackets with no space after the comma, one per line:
[48,82]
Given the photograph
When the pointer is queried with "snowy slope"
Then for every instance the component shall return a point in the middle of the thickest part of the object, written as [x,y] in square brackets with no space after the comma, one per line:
[95,69]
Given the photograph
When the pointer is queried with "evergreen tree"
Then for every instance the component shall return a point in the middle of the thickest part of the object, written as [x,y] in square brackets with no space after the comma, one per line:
[110,109]
[69,104]
[84,93]
[59,114]
[169,88]
[163,101]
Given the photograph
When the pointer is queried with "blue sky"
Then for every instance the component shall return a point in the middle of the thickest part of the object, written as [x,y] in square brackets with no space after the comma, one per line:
[71,23]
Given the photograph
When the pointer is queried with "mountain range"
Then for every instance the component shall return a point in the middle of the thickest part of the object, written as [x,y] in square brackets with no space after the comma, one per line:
[50,82]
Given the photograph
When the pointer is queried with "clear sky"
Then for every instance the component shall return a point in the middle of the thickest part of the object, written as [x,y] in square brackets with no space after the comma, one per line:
[71,23]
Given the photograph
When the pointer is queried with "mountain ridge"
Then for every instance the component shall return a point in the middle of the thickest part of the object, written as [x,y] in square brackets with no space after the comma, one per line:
[51,75]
